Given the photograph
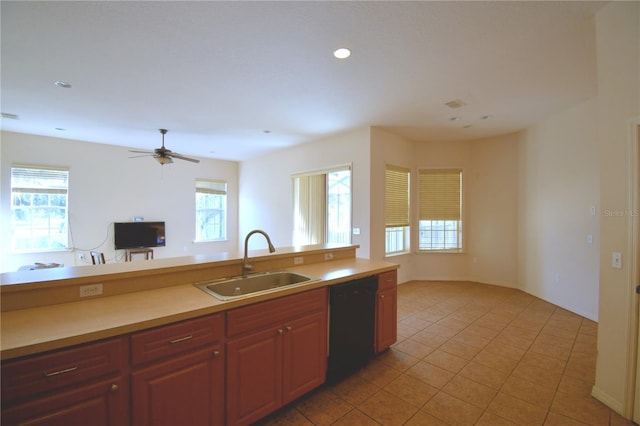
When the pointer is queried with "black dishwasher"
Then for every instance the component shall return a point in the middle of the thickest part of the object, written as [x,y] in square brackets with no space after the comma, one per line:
[352,308]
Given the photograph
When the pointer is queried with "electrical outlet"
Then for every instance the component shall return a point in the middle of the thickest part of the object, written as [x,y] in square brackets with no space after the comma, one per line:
[299,260]
[81,256]
[328,256]
[90,290]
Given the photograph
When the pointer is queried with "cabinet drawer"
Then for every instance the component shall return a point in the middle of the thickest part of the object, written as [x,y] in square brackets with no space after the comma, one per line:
[264,314]
[387,280]
[42,373]
[173,339]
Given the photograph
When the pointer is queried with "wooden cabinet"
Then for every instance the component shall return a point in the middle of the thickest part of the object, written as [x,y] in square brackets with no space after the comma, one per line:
[178,373]
[386,310]
[276,352]
[82,385]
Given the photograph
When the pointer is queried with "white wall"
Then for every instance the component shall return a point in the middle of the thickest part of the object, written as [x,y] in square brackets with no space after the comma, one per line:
[266,188]
[559,183]
[492,219]
[387,148]
[490,207]
[106,186]
[618,102]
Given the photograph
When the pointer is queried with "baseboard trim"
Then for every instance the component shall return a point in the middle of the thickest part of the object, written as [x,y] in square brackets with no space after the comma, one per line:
[607,400]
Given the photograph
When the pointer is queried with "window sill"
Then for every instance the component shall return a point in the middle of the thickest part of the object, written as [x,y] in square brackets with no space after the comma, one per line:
[403,253]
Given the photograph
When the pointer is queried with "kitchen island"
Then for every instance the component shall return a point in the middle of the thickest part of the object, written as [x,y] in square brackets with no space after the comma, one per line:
[145,301]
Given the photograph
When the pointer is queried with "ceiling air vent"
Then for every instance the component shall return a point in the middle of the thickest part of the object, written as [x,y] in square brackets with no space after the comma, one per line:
[11,116]
[457,103]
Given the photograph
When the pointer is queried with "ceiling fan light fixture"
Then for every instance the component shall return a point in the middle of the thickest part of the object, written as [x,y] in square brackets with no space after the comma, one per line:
[162,154]
[164,160]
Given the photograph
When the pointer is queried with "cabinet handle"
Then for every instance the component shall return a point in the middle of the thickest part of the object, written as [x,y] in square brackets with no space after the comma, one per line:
[57,373]
[114,388]
[382,296]
[280,331]
[288,328]
[182,339]
[216,354]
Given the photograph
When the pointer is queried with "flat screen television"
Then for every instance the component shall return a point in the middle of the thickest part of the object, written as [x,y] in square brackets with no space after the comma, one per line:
[129,235]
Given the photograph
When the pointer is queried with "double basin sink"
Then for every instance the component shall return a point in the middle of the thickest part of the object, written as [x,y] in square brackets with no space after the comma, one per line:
[233,288]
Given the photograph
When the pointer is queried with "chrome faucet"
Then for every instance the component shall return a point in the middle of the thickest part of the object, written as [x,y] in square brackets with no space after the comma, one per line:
[245,262]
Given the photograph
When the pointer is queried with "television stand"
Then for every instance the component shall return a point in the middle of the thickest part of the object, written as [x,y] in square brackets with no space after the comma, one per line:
[128,253]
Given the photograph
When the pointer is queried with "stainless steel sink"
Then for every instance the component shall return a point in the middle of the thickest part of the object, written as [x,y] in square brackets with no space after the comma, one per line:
[232,288]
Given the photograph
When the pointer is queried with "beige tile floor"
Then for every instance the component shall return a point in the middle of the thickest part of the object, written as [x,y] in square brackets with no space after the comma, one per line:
[468,354]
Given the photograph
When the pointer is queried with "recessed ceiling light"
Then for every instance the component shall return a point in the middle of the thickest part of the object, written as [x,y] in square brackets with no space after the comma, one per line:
[456,103]
[60,129]
[62,84]
[455,118]
[266,131]
[342,53]
[467,126]
[486,117]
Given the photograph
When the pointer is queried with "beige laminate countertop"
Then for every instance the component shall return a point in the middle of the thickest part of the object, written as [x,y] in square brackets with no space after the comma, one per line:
[35,330]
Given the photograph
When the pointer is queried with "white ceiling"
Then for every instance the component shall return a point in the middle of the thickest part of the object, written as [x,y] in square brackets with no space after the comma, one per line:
[219,75]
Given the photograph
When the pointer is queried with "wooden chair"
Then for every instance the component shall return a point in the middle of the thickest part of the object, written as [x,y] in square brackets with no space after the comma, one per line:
[97,257]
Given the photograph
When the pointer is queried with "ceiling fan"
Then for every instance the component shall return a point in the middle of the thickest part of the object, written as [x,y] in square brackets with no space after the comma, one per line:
[162,154]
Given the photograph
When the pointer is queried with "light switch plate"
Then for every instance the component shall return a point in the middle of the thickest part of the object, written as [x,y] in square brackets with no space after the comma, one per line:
[616,260]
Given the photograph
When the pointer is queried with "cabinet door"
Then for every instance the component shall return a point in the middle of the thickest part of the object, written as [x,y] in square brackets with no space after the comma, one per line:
[254,376]
[386,319]
[305,355]
[183,391]
[103,403]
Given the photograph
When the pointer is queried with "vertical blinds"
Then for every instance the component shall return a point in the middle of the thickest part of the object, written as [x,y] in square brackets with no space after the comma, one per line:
[440,194]
[396,209]
[309,206]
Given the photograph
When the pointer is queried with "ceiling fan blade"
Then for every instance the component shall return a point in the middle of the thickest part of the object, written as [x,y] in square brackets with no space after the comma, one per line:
[150,154]
[141,152]
[182,157]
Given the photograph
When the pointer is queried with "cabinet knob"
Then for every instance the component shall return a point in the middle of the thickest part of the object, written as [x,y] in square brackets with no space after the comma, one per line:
[288,328]
[280,331]
[216,354]
[382,296]
[114,388]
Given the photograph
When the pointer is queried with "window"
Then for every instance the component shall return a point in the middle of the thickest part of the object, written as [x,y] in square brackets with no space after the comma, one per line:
[39,216]
[211,210]
[440,218]
[322,207]
[396,210]
[339,207]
